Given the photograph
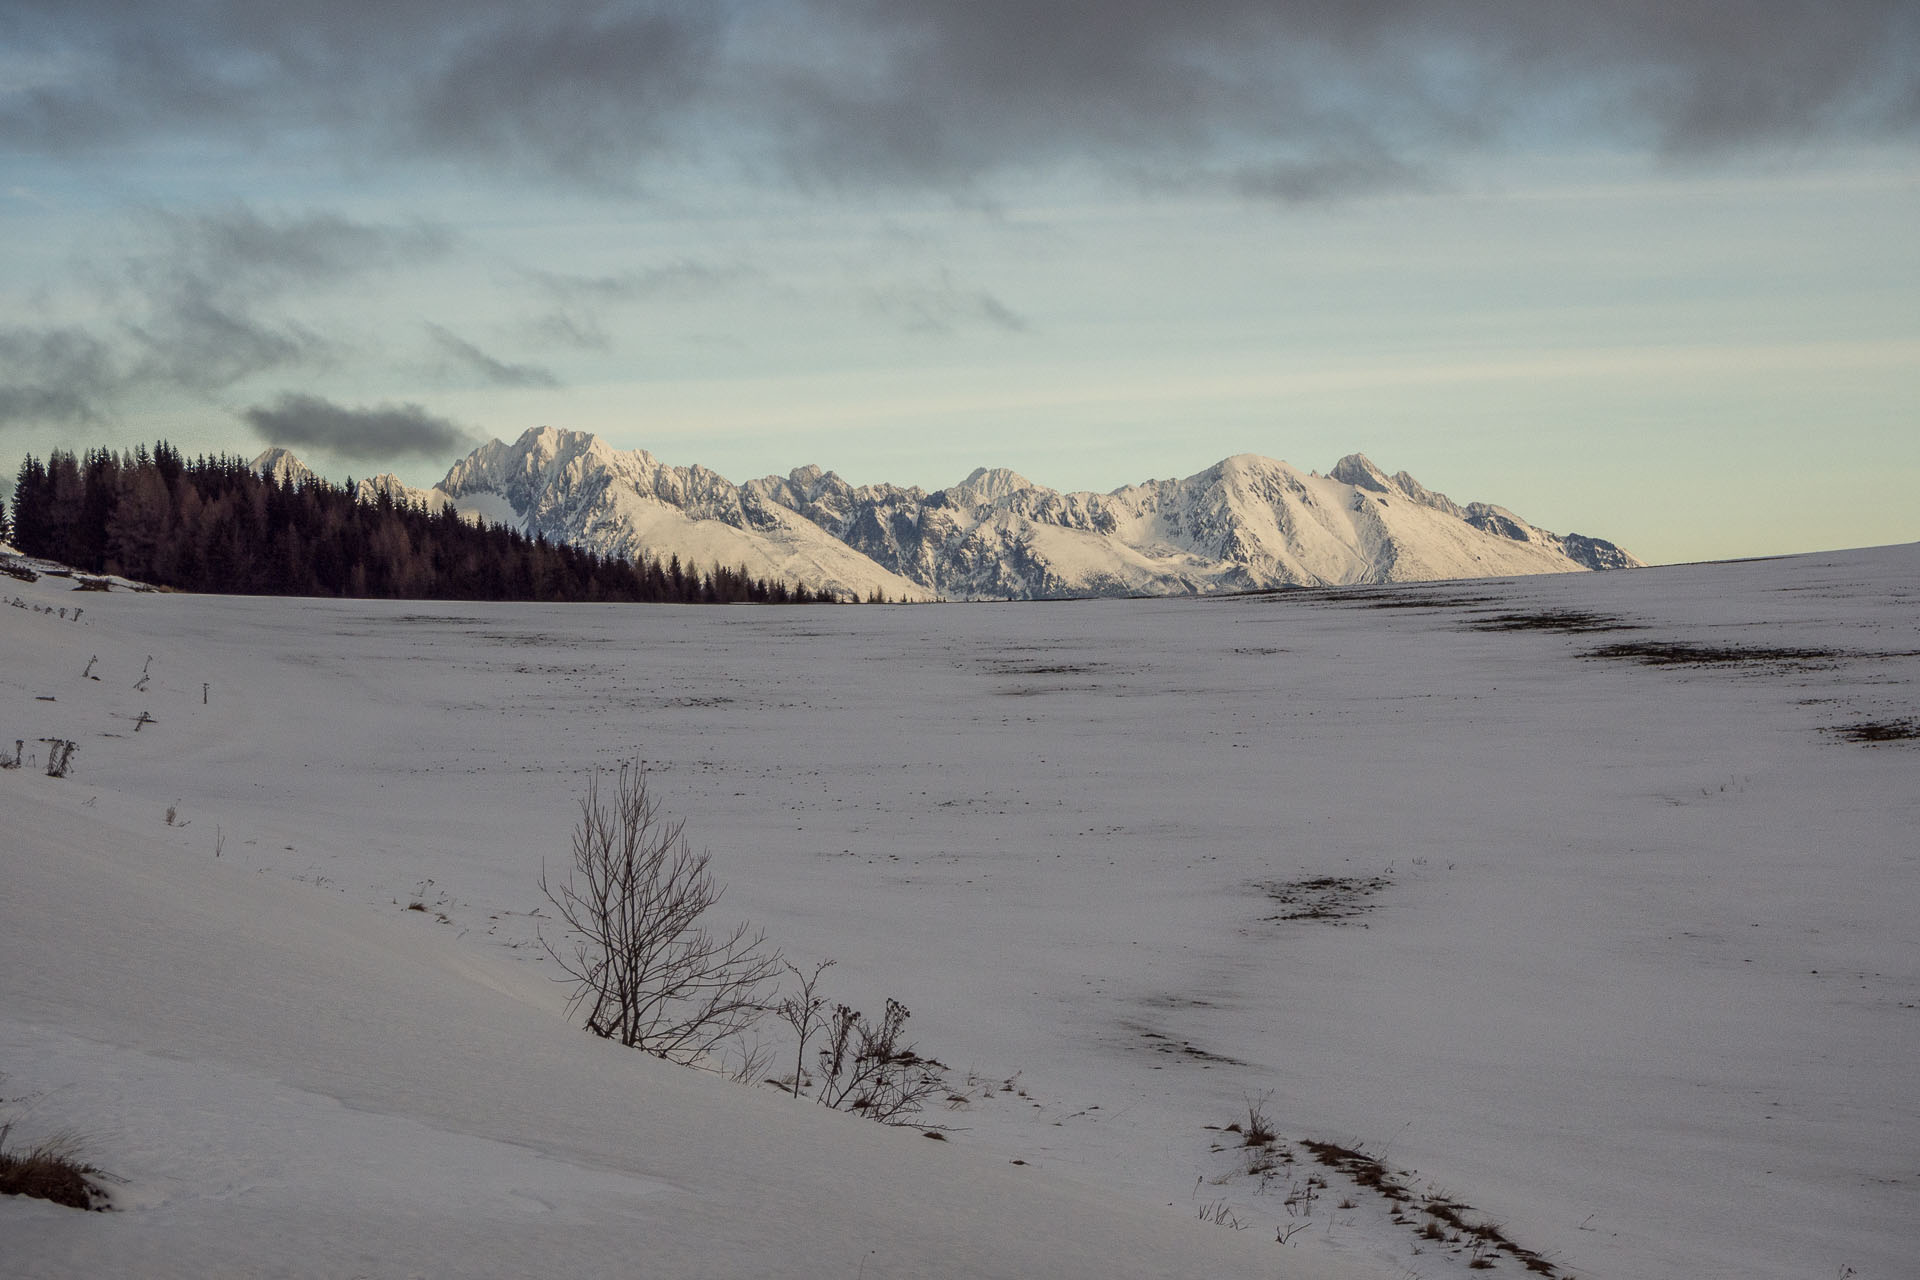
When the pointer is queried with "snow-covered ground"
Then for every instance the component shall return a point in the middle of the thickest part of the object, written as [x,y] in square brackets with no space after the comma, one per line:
[1623,956]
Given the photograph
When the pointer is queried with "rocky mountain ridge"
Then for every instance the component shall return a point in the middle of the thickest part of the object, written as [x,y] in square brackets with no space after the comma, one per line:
[1246,523]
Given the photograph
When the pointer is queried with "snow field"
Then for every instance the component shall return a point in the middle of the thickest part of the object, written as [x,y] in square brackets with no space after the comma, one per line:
[1630,963]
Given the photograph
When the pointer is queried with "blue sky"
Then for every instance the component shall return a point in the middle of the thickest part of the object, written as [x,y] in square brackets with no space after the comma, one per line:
[1648,271]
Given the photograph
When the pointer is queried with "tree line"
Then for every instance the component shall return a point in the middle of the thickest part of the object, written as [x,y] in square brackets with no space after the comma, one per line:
[213,524]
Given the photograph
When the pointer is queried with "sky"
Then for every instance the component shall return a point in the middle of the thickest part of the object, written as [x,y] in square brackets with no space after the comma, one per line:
[1646,270]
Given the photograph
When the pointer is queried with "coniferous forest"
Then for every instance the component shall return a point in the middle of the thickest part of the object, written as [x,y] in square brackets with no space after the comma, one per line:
[213,524]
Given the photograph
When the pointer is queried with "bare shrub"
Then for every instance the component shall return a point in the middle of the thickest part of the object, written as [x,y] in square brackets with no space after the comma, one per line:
[805,1012]
[865,1068]
[648,972]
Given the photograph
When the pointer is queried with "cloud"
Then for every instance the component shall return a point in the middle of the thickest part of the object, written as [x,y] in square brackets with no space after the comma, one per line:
[241,253]
[491,370]
[575,329]
[1361,168]
[579,303]
[576,88]
[580,90]
[940,307]
[361,435]
[953,93]
[62,376]
[194,339]
[198,306]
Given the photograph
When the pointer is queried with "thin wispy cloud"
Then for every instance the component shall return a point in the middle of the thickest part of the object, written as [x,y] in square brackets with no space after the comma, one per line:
[578,305]
[489,369]
[244,253]
[939,307]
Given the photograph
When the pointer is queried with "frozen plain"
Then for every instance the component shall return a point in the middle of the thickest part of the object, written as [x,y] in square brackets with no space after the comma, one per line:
[1631,965]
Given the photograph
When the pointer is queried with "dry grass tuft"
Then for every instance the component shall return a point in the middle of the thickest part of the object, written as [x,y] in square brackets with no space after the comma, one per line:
[52,1169]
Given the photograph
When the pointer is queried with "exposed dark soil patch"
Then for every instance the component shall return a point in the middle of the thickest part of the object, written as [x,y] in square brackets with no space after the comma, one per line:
[1680,653]
[1871,732]
[1564,621]
[1373,598]
[1327,899]
[1186,1049]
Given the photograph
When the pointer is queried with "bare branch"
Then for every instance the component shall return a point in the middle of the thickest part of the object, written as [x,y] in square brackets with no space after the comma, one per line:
[646,970]
[804,1012]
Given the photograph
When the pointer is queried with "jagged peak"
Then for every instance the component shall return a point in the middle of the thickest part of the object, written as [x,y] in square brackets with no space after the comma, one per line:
[1427,497]
[1358,470]
[280,464]
[1247,521]
[987,485]
[547,443]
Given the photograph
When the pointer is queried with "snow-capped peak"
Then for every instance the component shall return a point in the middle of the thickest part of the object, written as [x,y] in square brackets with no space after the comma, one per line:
[282,467]
[1246,523]
[986,486]
[1358,470]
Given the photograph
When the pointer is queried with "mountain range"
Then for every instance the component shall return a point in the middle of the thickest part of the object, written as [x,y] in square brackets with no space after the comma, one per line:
[1245,523]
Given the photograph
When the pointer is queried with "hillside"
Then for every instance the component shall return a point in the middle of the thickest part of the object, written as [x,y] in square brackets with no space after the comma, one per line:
[1582,903]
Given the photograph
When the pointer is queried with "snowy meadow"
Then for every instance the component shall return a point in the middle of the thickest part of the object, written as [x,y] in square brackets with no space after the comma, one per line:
[1559,925]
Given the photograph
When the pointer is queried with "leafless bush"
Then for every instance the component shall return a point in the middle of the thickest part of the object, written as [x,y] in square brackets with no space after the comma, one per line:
[865,1068]
[805,1012]
[646,970]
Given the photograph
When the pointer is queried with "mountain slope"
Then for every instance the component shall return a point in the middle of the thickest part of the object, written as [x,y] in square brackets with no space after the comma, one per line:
[1246,523]
[570,486]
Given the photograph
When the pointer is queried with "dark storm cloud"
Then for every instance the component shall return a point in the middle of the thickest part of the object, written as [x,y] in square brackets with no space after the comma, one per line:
[582,90]
[575,88]
[1324,96]
[361,435]
[1334,95]
[489,369]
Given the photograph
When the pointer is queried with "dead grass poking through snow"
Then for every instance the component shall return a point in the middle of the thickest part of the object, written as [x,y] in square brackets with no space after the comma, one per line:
[52,1169]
